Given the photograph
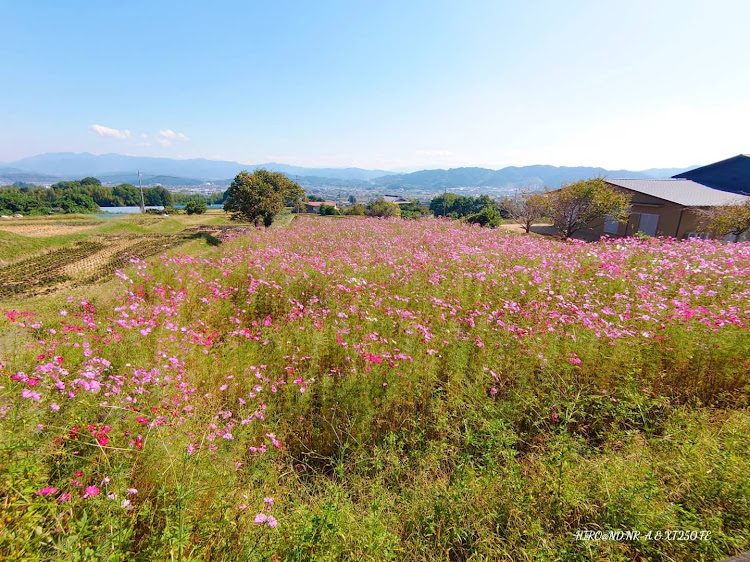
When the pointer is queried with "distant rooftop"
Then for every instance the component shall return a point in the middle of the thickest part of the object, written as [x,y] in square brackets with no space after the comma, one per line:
[320,203]
[732,174]
[395,199]
[681,191]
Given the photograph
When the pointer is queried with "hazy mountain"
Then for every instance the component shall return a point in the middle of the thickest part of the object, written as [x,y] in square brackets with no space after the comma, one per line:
[512,176]
[116,168]
[663,173]
[334,173]
[148,180]
[70,165]
[12,175]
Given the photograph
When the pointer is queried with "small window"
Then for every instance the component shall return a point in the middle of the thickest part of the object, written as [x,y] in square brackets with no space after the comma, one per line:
[648,224]
[611,226]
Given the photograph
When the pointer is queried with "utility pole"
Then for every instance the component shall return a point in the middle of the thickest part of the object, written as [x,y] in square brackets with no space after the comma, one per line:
[143,203]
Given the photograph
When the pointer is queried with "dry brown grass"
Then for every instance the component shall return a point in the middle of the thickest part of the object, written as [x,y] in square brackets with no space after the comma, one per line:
[41,229]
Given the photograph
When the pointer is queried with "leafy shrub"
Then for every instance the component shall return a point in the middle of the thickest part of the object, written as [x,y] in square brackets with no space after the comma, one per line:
[488,217]
[195,207]
[354,210]
[381,208]
[329,210]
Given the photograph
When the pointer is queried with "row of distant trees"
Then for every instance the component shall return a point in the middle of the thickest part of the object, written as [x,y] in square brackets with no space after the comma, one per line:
[260,196]
[574,207]
[80,196]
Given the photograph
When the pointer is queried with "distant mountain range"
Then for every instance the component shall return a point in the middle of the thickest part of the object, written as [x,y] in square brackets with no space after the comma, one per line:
[514,176]
[117,168]
[70,165]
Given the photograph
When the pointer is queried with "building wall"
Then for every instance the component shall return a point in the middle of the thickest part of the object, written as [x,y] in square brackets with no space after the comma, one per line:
[316,208]
[674,220]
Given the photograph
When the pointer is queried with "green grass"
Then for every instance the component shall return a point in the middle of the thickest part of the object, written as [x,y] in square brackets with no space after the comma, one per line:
[456,451]
[13,246]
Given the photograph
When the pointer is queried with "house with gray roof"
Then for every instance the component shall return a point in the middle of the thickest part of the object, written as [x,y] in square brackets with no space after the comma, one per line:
[669,207]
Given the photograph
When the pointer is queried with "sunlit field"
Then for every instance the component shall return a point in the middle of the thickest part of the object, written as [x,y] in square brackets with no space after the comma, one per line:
[383,390]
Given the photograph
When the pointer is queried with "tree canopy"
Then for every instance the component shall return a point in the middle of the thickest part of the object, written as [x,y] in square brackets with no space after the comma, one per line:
[459,206]
[79,196]
[260,196]
[381,208]
[488,217]
[583,204]
[727,219]
[195,207]
[526,208]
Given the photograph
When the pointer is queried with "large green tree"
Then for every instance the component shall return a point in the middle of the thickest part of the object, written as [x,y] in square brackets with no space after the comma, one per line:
[726,219]
[584,204]
[381,208]
[260,196]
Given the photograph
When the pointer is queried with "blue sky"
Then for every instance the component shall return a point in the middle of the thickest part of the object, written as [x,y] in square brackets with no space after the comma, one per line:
[391,85]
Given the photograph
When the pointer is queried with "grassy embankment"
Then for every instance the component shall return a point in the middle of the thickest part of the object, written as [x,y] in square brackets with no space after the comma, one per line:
[394,390]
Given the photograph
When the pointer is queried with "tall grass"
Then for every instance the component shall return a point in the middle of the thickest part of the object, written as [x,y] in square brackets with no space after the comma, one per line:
[380,390]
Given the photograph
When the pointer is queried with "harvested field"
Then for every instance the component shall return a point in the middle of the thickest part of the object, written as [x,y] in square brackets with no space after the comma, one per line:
[44,229]
[94,259]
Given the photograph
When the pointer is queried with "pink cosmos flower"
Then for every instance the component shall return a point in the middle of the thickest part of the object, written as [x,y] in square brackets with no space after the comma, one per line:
[46,491]
[91,491]
[26,393]
[276,442]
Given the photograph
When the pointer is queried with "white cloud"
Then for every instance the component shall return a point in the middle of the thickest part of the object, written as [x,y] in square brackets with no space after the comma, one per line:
[167,136]
[103,131]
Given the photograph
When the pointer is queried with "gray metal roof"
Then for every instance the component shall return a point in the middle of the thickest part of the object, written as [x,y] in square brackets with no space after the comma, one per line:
[681,191]
[395,199]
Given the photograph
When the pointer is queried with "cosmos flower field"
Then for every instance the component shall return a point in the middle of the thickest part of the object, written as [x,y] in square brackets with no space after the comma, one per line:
[384,390]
